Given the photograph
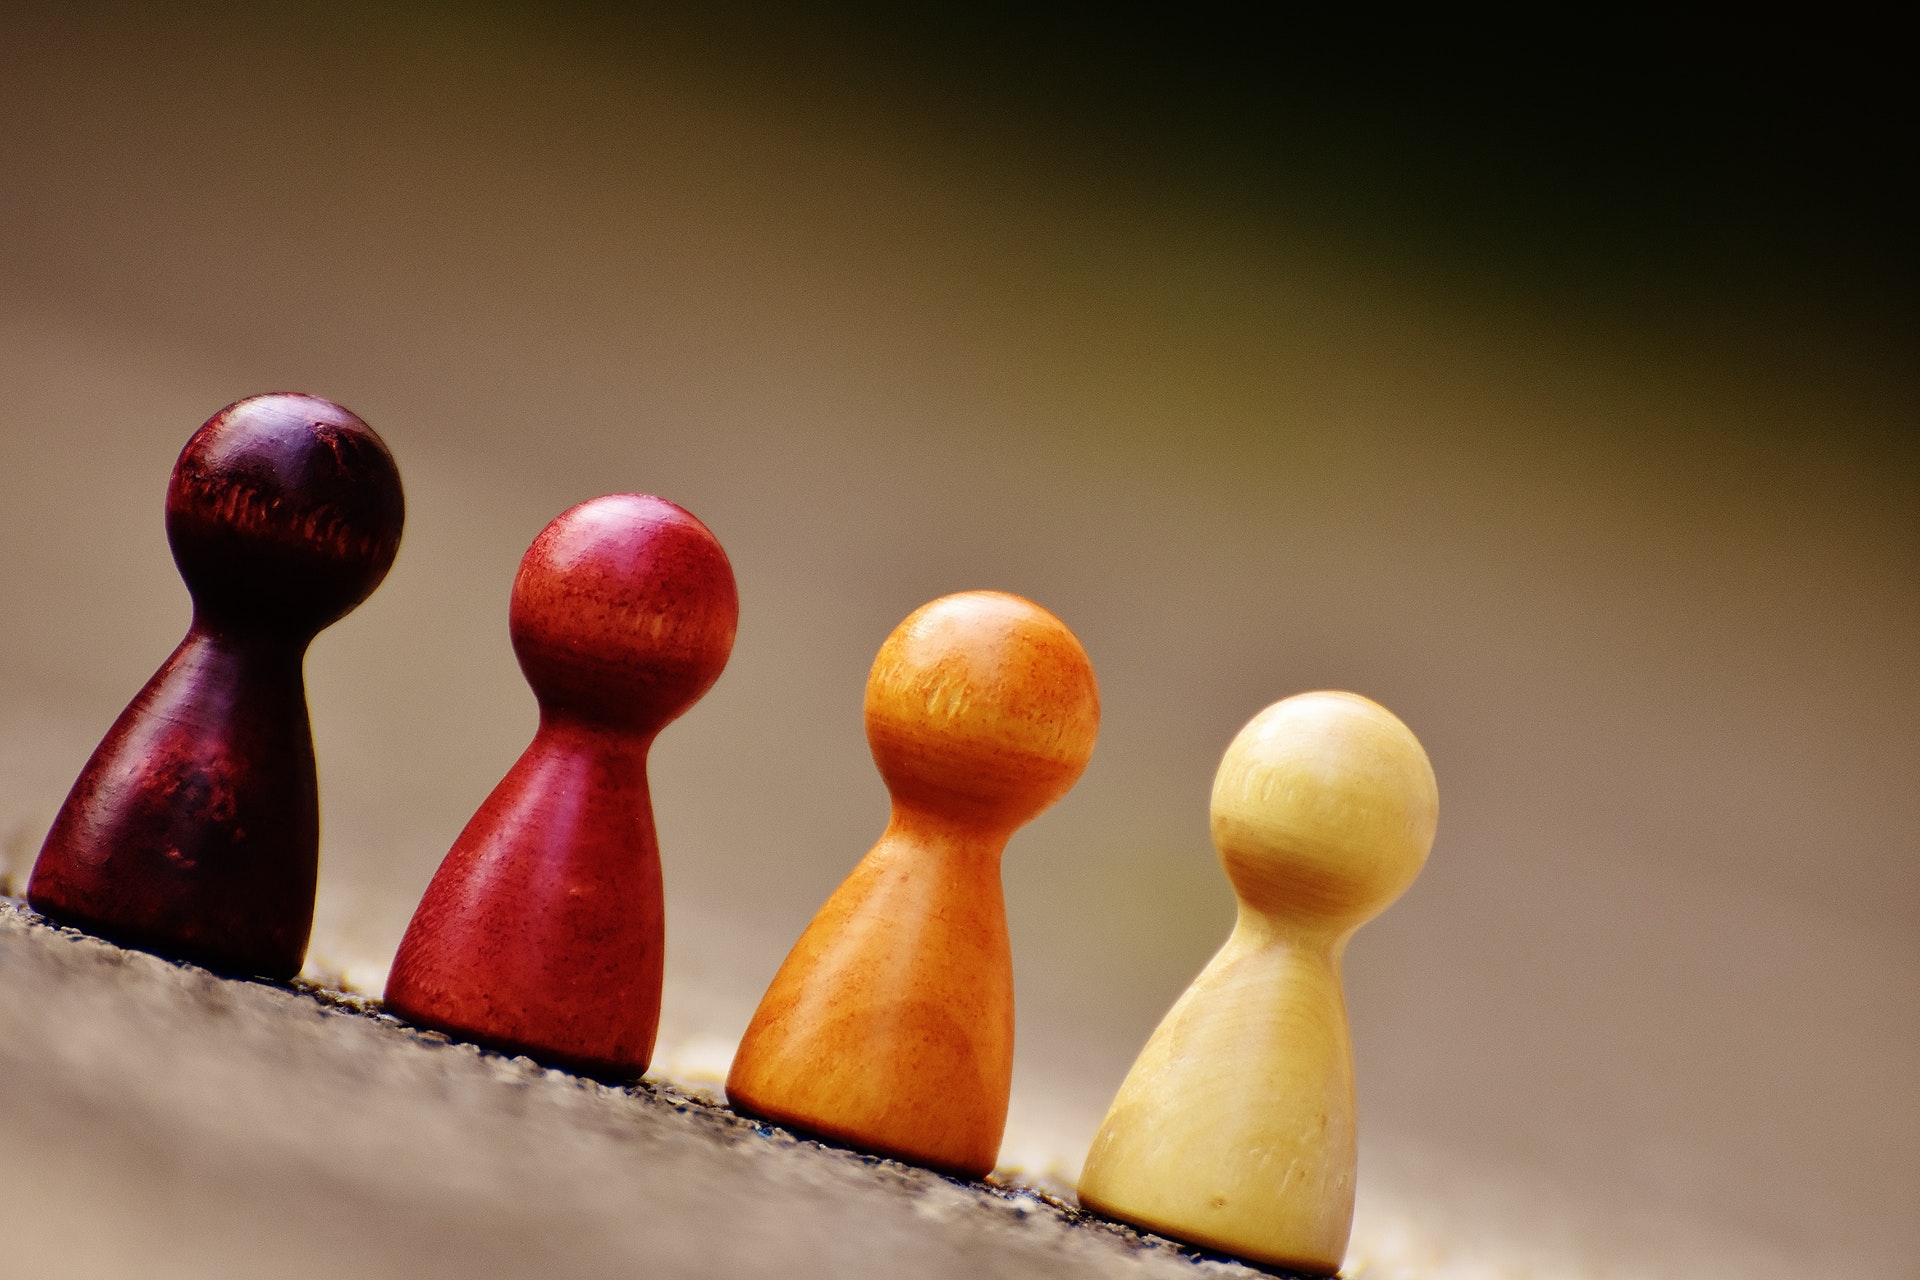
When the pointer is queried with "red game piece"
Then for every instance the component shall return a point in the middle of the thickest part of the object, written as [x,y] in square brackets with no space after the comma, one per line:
[194,831]
[542,932]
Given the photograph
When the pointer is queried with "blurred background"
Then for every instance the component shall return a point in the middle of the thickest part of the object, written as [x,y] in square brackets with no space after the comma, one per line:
[1551,384]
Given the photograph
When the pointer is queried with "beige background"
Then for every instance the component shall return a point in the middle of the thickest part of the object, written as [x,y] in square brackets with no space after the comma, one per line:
[1645,579]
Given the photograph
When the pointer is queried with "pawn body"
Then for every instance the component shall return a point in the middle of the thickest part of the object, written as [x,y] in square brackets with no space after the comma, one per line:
[890,1025]
[194,831]
[543,930]
[1235,1130]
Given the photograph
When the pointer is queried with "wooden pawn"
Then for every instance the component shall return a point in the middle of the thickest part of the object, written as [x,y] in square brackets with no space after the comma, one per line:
[194,830]
[543,931]
[890,1026]
[1235,1130]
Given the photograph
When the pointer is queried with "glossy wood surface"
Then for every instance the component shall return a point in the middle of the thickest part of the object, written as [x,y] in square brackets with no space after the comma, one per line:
[890,1025]
[1235,1130]
[543,930]
[194,830]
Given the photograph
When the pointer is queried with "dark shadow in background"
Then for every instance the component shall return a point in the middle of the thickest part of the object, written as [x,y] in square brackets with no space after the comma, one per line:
[1609,161]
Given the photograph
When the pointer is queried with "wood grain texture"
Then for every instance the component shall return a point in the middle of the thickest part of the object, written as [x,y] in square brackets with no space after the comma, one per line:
[543,930]
[194,829]
[890,1025]
[1236,1130]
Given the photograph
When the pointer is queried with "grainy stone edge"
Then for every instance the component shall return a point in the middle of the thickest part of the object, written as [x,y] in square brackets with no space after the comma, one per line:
[997,1195]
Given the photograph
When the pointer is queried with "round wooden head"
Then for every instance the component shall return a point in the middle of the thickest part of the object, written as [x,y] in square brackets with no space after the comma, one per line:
[982,706]
[284,512]
[623,612]
[1324,809]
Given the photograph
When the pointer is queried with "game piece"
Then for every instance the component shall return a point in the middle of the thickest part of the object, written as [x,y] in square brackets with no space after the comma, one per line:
[194,831]
[1235,1129]
[890,1026]
[543,930]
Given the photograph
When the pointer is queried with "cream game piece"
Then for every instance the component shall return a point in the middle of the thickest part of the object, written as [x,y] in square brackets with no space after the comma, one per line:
[1235,1129]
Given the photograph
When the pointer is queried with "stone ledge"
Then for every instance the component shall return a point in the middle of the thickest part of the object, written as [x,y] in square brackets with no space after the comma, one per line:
[163,1121]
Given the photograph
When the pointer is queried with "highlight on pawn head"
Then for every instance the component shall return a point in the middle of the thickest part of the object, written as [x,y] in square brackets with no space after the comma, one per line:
[982,705]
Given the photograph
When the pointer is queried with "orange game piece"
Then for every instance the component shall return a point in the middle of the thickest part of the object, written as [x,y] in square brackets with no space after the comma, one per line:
[890,1026]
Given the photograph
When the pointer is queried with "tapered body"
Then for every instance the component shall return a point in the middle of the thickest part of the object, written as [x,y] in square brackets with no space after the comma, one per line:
[194,829]
[543,931]
[890,1025]
[1236,1128]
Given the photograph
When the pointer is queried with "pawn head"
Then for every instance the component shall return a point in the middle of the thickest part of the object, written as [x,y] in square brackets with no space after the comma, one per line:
[284,512]
[982,706]
[623,612]
[1324,808]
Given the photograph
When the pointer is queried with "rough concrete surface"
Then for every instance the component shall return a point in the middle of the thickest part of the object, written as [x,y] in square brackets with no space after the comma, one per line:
[162,1121]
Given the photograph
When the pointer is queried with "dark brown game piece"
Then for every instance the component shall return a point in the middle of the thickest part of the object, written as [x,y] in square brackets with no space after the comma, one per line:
[542,932]
[194,830]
